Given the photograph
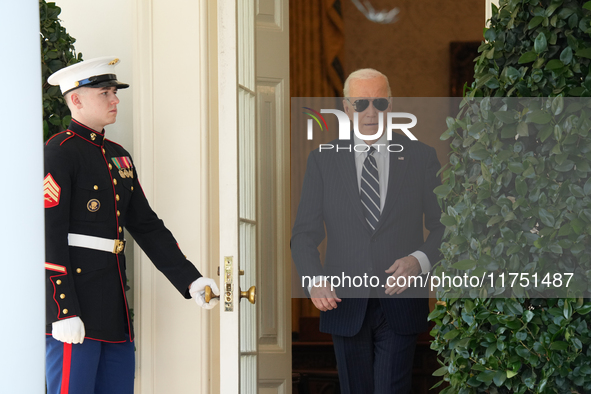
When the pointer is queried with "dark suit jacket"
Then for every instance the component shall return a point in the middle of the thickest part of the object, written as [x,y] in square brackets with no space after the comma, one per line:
[330,197]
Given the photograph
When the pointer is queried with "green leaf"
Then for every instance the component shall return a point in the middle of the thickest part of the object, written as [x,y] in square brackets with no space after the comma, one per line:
[508,132]
[538,117]
[486,376]
[546,217]
[441,371]
[527,57]
[442,190]
[587,5]
[457,240]
[521,186]
[451,335]
[523,129]
[577,225]
[494,220]
[565,166]
[522,351]
[585,309]
[566,55]
[557,105]
[447,220]
[559,345]
[540,43]
[464,265]
[545,132]
[554,64]
[506,117]
[510,374]
[535,21]
[500,378]
[447,134]
[517,168]
[587,187]
[478,152]
[565,230]
[586,53]
[490,350]
[485,171]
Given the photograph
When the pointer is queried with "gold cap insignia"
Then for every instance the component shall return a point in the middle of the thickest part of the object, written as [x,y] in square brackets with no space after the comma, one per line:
[113,62]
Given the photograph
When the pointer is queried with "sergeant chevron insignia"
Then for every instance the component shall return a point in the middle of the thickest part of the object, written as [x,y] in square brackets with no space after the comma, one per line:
[51,192]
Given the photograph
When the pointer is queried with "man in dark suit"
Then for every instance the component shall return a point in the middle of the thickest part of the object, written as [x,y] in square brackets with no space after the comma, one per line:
[372,201]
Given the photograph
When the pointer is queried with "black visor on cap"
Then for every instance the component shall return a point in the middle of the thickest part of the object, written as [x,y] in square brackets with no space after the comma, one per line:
[100,81]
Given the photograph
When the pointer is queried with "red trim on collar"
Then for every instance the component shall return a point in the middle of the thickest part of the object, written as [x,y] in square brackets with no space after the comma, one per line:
[88,128]
[85,139]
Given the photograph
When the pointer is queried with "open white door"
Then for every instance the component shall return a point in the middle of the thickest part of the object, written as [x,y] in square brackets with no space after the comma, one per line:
[253,99]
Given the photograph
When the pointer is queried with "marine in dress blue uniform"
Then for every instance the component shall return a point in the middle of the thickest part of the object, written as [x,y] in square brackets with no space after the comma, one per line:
[92,196]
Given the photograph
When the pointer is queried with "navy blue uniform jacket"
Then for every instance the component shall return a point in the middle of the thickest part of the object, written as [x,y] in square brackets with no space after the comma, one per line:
[330,199]
[84,171]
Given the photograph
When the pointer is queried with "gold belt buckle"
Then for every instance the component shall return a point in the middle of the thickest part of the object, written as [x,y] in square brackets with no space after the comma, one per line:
[119,246]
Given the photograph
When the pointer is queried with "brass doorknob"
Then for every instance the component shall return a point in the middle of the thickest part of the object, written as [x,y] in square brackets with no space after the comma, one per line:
[251,294]
[209,294]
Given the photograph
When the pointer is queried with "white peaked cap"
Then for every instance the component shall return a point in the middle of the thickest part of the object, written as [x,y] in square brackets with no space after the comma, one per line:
[93,73]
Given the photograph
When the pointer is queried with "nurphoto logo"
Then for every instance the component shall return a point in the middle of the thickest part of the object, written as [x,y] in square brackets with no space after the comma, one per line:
[345,128]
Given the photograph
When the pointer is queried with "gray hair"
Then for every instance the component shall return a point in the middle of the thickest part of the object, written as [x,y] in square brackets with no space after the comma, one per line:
[364,73]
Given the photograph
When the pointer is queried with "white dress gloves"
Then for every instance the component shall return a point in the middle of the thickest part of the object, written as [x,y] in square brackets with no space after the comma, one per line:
[197,291]
[69,330]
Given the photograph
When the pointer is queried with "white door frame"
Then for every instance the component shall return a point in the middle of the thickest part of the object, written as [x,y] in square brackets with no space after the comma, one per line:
[228,199]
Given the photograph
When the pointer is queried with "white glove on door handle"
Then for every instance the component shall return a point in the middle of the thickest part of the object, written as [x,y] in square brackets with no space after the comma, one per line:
[197,291]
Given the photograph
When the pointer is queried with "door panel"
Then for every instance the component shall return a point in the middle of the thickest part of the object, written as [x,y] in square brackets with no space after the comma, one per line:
[254,195]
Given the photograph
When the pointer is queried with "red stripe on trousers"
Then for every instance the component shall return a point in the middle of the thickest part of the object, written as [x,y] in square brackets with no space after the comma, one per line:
[67,363]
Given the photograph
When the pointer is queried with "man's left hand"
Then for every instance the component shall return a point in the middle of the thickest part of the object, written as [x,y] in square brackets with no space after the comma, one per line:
[405,267]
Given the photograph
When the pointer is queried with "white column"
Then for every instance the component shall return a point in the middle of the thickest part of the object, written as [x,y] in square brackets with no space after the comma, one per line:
[21,203]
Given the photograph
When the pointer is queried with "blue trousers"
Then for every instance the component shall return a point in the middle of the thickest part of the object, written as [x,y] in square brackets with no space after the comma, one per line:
[93,367]
[376,360]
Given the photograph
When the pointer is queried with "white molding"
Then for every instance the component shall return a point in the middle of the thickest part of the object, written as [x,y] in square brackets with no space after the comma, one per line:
[143,142]
[228,185]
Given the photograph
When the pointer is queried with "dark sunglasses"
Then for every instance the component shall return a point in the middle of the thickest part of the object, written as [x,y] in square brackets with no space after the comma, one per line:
[381,104]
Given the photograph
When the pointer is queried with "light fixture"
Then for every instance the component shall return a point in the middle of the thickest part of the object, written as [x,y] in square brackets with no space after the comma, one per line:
[370,13]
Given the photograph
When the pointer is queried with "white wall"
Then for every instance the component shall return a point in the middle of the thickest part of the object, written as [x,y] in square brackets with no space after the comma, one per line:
[22,327]
[105,28]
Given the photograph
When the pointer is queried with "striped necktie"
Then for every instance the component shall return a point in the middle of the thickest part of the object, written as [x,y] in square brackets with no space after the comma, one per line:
[370,190]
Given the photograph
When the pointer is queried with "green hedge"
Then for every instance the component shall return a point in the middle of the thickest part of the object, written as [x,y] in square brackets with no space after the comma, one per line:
[516,197]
